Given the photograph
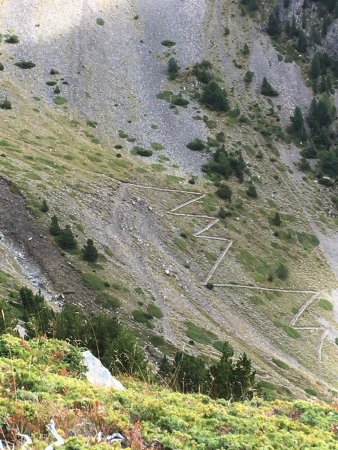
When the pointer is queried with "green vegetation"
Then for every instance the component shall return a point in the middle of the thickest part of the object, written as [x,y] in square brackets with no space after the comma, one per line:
[215,97]
[267,89]
[199,334]
[325,304]
[143,317]
[25,64]
[251,191]
[225,164]
[290,331]
[89,251]
[168,43]
[100,21]
[202,71]
[6,104]
[154,311]
[297,127]
[93,281]
[108,301]
[173,69]
[12,38]
[200,424]
[224,191]
[60,100]
[280,364]
[196,145]
[44,206]
[141,151]
[282,272]
[248,77]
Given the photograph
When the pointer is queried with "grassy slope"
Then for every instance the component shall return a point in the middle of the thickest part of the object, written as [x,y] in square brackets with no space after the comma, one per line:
[38,384]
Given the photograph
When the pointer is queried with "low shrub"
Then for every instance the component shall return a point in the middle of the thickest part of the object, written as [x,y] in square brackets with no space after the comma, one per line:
[25,64]
[196,145]
[12,39]
[108,301]
[137,150]
[168,43]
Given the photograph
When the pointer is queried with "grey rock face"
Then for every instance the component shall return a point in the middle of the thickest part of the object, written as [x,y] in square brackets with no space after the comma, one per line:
[331,41]
[97,374]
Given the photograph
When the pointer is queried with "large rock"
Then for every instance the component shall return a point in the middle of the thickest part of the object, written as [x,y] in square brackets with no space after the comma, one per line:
[97,374]
[331,41]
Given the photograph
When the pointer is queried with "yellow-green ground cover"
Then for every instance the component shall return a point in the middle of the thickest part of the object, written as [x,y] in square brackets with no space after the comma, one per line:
[41,380]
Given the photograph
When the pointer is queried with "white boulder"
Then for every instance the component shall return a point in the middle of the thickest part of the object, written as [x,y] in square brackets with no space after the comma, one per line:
[97,374]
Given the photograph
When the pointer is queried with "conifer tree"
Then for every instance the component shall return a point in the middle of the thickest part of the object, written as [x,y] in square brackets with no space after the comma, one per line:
[267,89]
[44,207]
[274,26]
[297,127]
[302,42]
[277,220]
[172,68]
[54,228]
[66,239]
[215,97]
[89,251]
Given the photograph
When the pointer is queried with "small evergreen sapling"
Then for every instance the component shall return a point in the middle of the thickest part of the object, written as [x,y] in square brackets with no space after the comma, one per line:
[54,228]
[267,89]
[277,220]
[44,207]
[66,239]
[89,251]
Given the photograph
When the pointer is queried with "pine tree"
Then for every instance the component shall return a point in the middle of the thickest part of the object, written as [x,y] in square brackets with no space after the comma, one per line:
[248,77]
[215,97]
[172,68]
[277,220]
[297,127]
[251,192]
[274,26]
[315,68]
[44,207]
[243,379]
[54,228]
[302,42]
[89,251]
[220,374]
[267,89]
[225,192]
[66,239]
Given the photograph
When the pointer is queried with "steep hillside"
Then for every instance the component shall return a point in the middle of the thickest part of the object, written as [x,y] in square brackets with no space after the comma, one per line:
[91,97]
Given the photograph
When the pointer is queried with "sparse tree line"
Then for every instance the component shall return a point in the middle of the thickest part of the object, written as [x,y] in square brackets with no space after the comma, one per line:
[120,351]
[65,238]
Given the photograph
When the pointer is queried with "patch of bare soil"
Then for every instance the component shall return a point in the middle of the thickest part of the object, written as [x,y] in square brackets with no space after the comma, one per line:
[32,242]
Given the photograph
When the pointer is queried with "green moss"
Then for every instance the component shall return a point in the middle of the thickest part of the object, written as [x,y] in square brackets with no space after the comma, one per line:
[181,243]
[143,317]
[290,331]
[58,100]
[325,304]
[154,311]
[108,300]
[280,364]
[199,334]
[92,281]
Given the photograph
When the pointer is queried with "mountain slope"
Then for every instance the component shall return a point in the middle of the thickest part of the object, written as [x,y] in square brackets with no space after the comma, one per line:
[57,152]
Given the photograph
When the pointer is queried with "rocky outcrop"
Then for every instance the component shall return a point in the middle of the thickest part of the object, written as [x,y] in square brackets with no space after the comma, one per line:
[97,374]
[331,41]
